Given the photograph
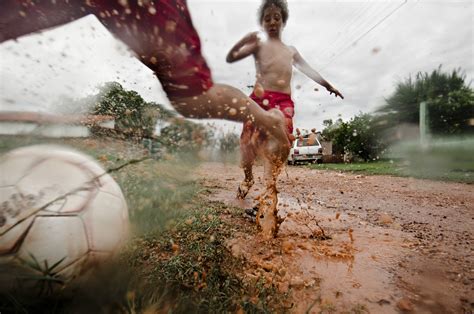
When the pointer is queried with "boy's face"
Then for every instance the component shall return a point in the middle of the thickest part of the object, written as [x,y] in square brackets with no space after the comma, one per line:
[272,21]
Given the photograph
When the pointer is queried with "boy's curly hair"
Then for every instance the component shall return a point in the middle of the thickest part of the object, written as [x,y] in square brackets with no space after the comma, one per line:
[282,4]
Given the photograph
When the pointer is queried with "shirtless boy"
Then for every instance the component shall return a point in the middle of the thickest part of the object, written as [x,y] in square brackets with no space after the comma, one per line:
[163,37]
[274,62]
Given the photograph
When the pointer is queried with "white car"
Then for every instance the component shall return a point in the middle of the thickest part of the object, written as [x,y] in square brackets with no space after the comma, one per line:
[302,151]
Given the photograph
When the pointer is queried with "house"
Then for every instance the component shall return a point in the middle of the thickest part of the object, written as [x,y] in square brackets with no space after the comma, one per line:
[51,125]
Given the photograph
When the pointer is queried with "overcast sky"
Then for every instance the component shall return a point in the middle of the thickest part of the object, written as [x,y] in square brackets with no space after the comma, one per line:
[362,47]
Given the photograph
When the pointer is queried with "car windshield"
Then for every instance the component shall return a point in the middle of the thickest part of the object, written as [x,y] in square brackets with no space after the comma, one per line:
[307,142]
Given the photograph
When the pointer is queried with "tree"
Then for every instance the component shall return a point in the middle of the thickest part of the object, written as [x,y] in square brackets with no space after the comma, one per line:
[133,116]
[359,136]
[337,133]
[362,138]
[183,135]
[229,142]
[449,98]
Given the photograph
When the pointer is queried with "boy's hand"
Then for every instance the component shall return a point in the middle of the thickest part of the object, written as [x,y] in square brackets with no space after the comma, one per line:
[334,91]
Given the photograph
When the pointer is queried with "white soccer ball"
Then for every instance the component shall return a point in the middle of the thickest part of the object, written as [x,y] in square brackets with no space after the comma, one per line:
[61,215]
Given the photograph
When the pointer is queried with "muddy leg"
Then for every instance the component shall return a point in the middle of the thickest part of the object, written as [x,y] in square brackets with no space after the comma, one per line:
[267,216]
[247,183]
[247,155]
[267,211]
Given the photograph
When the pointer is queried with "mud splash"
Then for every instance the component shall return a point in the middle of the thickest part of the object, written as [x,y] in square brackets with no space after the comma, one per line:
[267,213]
[255,143]
[351,243]
[320,257]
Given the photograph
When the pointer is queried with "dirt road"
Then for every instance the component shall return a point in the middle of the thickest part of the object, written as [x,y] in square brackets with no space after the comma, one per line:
[353,243]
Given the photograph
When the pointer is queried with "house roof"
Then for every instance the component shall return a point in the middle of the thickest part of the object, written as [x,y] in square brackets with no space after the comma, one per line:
[46,118]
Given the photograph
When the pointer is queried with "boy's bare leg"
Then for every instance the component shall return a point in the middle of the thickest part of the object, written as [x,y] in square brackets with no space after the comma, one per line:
[267,215]
[226,102]
[248,154]
[247,183]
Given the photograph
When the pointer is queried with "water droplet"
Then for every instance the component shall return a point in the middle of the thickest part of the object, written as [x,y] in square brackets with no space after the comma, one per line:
[152,10]
[170,26]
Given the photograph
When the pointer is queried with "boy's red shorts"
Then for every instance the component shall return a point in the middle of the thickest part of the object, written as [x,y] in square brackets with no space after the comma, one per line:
[160,32]
[280,101]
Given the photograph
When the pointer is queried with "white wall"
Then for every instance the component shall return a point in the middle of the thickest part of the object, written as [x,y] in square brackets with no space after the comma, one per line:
[52,130]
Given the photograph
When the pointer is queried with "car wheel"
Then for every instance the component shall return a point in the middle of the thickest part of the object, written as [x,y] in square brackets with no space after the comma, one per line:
[319,161]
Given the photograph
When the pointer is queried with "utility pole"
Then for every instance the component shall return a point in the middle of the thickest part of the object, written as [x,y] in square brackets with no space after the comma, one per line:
[423,124]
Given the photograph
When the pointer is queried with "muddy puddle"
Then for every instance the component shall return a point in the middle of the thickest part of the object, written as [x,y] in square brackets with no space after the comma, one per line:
[329,257]
[350,270]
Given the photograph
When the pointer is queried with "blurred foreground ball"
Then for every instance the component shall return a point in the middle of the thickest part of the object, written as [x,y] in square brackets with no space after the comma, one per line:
[61,216]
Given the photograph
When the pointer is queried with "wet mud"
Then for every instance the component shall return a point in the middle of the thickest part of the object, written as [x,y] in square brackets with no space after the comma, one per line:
[352,243]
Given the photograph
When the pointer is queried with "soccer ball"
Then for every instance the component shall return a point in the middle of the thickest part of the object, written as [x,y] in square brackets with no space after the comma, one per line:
[61,215]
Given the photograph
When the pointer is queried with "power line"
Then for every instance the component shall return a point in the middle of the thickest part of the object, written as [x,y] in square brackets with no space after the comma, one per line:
[353,17]
[386,25]
[364,34]
[342,32]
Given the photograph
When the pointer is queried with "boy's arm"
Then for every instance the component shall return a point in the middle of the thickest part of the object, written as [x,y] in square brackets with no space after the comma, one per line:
[304,67]
[243,48]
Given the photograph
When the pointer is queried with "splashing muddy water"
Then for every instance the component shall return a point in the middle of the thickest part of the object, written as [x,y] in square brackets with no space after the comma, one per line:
[267,213]
[257,143]
[336,252]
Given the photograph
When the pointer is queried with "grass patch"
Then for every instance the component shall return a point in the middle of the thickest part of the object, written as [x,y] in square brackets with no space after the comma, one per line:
[177,261]
[401,169]
[370,168]
[194,270]
[444,159]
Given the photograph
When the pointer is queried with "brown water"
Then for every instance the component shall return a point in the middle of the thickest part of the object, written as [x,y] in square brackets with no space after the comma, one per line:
[347,242]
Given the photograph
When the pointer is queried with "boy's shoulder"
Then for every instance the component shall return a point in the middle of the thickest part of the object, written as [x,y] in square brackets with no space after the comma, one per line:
[292,48]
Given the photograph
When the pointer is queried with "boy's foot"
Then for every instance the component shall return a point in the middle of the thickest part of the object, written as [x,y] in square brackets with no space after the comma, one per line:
[243,189]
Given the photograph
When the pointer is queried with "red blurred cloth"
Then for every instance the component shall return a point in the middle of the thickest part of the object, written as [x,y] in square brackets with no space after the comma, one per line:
[160,32]
[280,101]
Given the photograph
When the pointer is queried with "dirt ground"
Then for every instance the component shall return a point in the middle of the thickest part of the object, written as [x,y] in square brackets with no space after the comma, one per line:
[355,243]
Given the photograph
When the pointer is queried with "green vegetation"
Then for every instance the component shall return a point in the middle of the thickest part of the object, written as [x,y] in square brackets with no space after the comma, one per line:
[229,142]
[358,136]
[369,168]
[181,254]
[444,159]
[177,260]
[449,97]
[184,136]
[402,169]
[133,116]
[190,270]
[446,155]
[450,106]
